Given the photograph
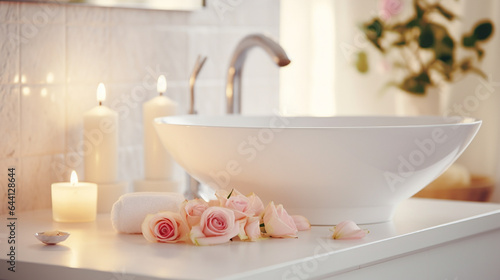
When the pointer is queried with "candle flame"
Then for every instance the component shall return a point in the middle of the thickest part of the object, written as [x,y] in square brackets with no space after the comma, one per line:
[74,178]
[101,93]
[161,86]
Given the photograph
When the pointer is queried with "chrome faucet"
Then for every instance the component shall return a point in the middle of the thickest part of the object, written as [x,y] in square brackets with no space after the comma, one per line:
[233,85]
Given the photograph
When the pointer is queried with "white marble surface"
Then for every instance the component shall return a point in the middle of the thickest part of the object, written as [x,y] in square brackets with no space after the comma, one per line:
[53,56]
[95,251]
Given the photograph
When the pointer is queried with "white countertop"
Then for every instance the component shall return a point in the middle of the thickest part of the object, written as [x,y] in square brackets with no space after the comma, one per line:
[95,251]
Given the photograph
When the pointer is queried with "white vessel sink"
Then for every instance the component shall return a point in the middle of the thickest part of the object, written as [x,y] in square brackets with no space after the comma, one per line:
[328,169]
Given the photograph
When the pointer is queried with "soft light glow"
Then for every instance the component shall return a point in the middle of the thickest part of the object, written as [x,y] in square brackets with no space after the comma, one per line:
[43,92]
[50,78]
[161,86]
[74,178]
[26,91]
[312,70]
[101,93]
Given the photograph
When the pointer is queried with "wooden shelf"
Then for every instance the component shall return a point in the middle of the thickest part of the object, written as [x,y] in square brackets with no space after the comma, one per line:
[480,190]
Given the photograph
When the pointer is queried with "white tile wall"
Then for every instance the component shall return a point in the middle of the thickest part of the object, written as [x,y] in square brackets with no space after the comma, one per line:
[53,56]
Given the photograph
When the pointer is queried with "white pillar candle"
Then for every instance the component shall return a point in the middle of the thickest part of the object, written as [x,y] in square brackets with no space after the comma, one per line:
[100,128]
[73,201]
[158,163]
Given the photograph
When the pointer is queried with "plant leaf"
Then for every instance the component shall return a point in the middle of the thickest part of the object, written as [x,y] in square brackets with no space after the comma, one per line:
[229,195]
[479,72]
[483,30]
[448,42]
[412,23]
[480,53]
[399,43]
[426,38]
[469,41]
[375,27]
[445,12]
[362,62]
[419,10]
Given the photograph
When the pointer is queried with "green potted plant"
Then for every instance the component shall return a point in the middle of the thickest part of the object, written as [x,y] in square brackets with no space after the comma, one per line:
[421,48]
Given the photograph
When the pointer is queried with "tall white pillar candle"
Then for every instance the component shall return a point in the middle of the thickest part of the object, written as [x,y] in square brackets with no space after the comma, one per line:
[100,130]
[158,163]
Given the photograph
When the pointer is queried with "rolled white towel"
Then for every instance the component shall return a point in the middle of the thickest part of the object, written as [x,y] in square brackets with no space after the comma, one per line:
[129,211]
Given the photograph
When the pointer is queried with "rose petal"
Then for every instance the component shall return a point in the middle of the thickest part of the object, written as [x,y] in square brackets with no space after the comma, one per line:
[217,221]
[240,206]
[166,227]
[192,210]
[217,225]
[252,229]
[198,238]
[301,222]
[348,230]
[242,234]
[277,222]
[256,206]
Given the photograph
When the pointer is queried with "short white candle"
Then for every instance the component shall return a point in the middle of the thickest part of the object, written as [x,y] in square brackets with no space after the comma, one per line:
[158,163]
[100,149]
[73,201]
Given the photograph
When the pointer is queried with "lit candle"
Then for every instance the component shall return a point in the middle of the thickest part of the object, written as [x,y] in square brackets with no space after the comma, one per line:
[100,132]
[158,163]
[73,201]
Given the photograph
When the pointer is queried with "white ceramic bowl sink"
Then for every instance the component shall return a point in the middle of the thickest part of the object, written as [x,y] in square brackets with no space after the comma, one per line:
[328,169]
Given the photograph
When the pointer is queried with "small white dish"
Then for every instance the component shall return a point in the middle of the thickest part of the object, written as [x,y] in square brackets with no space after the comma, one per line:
[51,237]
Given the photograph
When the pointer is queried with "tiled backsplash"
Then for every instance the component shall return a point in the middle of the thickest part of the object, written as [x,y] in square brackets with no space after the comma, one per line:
[53,56]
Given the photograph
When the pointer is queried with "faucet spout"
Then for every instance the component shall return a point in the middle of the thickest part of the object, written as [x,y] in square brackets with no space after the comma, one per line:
[233,85]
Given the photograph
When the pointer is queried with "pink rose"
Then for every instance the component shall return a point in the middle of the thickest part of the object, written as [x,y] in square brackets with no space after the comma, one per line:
[348,230]
[277,222]
[191,211]
[301,222]
[217,225]
[252,229]
[166,227]
[256,206]
[243,206]
[390,8]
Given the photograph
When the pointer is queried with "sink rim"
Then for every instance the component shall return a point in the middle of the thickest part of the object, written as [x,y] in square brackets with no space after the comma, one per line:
[249,121]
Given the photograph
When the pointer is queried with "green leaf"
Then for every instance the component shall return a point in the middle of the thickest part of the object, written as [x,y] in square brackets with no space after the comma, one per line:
[362,62]
[448,42]
[423,77]
[419,10]
[232,190]
[412,86]
[445,12]
[446,58]
[426,38]
[412,23]
[483,30]
[375,27]
[480,53]
[465,65]
[376,43]
[469,41]
[416,84]
[373,32]
[479,72]
[400,43]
